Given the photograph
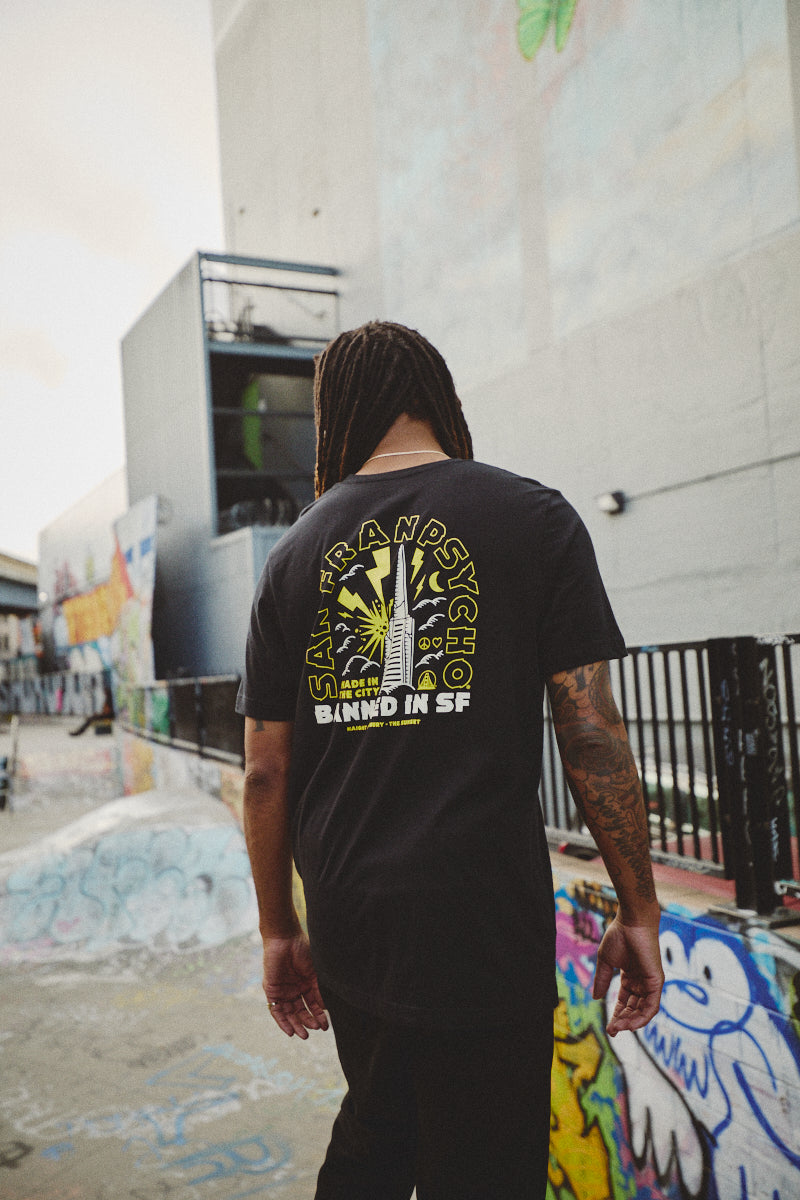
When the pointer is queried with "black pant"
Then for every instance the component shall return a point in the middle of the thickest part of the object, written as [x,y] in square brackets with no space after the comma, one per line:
[461,1114]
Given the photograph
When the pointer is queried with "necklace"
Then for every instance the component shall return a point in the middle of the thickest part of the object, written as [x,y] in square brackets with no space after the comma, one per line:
[398,453]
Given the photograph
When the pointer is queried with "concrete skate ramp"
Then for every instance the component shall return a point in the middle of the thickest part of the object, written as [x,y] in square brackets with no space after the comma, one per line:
[158,870]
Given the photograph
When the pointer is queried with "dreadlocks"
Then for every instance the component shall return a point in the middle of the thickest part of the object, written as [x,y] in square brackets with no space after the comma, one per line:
[364,380]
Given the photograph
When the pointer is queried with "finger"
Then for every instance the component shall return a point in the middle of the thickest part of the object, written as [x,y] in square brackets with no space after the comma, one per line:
[316,1007]
[300,1013]
[313,1019]
[302,1018]
[290,1015]
[603,975]
[635,1013]
[647,1008]
[297,1018]
[624,1009]
[286,1014]
[282,1021]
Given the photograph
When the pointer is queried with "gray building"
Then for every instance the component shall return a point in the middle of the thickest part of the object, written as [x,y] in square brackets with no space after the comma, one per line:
[18,610]
[219,426]
[604,242]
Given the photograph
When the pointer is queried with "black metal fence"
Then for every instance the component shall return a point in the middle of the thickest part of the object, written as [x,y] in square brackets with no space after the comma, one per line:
[713,726]
[191,714]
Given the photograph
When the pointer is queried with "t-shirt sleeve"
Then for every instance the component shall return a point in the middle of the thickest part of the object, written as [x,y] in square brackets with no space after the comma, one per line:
[268,690]
[578,625]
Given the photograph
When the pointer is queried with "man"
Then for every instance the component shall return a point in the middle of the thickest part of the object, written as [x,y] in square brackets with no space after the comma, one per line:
[402,635]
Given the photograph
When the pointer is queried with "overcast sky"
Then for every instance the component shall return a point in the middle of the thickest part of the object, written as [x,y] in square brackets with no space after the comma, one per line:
[109,182]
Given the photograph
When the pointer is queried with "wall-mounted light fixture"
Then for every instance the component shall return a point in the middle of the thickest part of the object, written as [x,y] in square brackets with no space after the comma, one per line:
[612,503]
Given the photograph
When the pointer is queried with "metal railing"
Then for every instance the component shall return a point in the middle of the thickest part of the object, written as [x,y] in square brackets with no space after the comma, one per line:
[190,714]
[268,302]
[713,727]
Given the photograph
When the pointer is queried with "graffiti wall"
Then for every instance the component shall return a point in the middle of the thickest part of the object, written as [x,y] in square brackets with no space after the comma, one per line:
[98,576]
[704,1103]
[80,597]
[132,642]
[147,765]
[140,871]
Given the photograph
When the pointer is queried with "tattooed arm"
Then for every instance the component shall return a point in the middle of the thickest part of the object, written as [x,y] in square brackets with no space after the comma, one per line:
[602,777]
[290,982]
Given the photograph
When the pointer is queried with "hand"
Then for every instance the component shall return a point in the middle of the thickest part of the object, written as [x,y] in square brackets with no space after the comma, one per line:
[632,950]
[290,985]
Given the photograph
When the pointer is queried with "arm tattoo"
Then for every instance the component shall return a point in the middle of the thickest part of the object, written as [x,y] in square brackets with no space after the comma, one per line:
[601,771]
[601,697]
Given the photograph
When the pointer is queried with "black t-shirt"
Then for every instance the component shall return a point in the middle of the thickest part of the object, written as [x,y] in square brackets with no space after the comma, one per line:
[407,624]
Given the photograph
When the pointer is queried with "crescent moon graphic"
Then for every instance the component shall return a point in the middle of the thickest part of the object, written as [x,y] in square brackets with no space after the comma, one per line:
[433,580]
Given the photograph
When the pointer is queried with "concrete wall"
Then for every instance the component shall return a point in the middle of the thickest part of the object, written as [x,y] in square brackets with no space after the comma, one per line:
[603,242]
[168,455]
[298,138]
[234,565]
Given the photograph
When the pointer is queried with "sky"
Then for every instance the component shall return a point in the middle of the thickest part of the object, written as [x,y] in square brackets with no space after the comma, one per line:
[109,183]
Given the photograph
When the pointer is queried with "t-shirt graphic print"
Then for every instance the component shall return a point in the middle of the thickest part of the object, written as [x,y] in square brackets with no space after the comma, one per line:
[394,638]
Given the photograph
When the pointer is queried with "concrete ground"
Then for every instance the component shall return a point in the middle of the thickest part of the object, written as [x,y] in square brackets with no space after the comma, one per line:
[137,1057]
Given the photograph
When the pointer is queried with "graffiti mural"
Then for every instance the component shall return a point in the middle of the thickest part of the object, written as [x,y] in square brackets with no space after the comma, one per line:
[172,1131]
[162,887]
[97,572]
[704,1103]
[132,645]
[80,599]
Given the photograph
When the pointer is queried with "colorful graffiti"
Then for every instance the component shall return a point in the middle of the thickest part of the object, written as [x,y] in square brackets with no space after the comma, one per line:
[92,616]
[147,765]
[132,645]
[535,19]
[95,626]
[171,1129]
[164,887]
[703,1104]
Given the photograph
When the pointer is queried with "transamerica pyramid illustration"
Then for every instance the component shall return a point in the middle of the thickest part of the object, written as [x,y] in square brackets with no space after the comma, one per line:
[398,655]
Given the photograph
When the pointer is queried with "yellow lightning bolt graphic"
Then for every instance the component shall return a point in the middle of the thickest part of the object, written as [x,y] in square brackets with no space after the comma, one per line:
[353,602]
[380,570]
[416,562]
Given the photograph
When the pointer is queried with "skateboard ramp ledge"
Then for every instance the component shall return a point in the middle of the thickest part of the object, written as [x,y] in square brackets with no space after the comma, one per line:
[161,870]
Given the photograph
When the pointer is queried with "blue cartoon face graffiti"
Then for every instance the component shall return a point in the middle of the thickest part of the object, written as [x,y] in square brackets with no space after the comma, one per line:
[722,1065]
[706,989]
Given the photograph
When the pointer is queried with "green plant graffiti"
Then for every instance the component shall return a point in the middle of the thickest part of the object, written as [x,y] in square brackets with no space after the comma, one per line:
[534,21]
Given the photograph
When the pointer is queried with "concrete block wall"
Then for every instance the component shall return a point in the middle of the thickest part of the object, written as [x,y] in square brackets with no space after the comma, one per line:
[602,242]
